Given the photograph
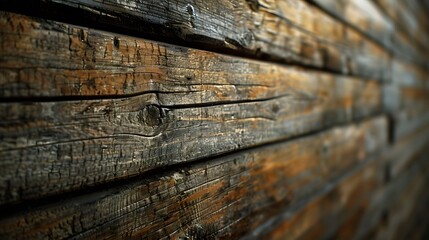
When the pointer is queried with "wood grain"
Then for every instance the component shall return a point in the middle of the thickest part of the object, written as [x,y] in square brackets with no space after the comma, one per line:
[41,58]
[289,31]
[360,204]
[209,199]
[54,146]
[186,105]
[324,217]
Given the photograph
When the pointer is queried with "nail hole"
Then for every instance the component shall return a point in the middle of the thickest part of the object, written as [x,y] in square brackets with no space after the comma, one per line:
[116,42]
[190,9]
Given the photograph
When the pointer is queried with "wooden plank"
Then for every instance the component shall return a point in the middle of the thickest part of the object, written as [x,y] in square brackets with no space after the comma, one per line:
[48,59]
[403,193]
[404,75]
[333,214]
[49,147]
[413,24]
[196,105]
[359,203]
[284,31]
[207,199]
[366,16]
[407,146]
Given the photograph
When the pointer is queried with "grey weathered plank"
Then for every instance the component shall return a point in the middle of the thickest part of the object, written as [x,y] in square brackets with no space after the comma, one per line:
[406,98]
[222,198]
[289,31]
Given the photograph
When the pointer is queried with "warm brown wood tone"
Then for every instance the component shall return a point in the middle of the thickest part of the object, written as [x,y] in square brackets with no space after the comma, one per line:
[81,62]
[214,119]
[368,18]
[210,199]
[170,111]
[359,203]
[290,31]
[408,17]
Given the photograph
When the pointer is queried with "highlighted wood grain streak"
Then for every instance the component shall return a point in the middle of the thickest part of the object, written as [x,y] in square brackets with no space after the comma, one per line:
[362,202]
[284,31]
[209,199]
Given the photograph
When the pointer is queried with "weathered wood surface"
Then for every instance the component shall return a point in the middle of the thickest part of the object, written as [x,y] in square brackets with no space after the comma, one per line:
[393,211]
[45,58]
[368,18]
[324,216]
[411,22]
[183,106]
[209,199]
[43,152]
[107,135]
[289,31]
[360,204]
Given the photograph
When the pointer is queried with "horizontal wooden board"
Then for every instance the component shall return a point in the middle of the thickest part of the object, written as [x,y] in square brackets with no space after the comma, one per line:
[224,197]
[392,210]
[408,84]
[49,147]
[289,31]
[334,214]
[410,21]
[48,59]
[360,203]
[407,144]
[367,17]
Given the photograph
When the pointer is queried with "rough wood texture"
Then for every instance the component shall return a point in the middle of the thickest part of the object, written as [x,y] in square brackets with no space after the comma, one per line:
[120,138]
[209,199]
[50,59]
[290,31]
[218,119]
[170,111]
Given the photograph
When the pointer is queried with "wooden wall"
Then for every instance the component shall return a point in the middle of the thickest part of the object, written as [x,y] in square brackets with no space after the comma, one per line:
[220,119]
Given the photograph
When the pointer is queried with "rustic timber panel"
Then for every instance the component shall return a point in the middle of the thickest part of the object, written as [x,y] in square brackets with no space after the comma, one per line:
[220,119]
[211,198]
[192,112]
[290,31]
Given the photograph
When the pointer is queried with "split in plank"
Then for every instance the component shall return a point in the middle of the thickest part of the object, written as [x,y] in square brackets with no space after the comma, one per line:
[210,198]
[289,31]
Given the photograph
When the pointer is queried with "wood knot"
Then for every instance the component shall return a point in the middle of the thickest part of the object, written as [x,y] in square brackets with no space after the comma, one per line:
[152,120]
[253,5]
[151,115]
